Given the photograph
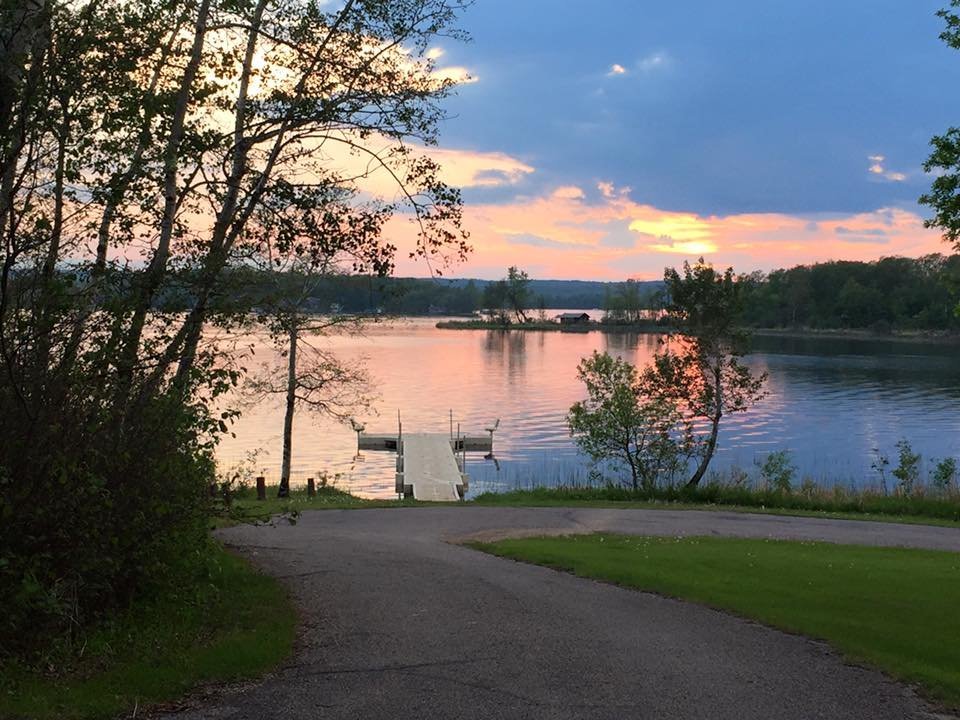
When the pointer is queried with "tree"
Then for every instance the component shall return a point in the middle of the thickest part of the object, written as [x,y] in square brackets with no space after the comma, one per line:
[621,421]
[698,368]
[150,150]
[314,378]
[494,302]
[944,161]
[518,292]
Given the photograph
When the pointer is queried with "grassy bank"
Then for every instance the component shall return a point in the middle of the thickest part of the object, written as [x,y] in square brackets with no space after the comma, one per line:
[244,506]
[234,623]
[892,608]
[836,503]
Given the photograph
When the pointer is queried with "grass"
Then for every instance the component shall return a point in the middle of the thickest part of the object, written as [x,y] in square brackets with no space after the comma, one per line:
[236,624]
[246,508]
[895,609]
[844,506]
[835,504]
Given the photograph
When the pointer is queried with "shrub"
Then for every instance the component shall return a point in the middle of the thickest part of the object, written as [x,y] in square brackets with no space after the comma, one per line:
[86,528]
[778,470]
[944,474]
[908,467]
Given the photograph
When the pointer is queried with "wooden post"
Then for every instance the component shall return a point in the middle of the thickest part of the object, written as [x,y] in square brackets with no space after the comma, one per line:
[311,487]
[261,488]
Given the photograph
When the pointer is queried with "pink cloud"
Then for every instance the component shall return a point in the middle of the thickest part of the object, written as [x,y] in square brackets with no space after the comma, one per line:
[565,234]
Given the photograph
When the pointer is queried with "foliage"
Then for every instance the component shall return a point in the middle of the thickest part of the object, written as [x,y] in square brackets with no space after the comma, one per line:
[149,152]
[518,292]
[944,160]
[778,471]
[625,303]
[893,293]
[226,622]
[494,302]
[908,467]
[699,369]
[944,475]
[854,597]
[86,529]
[510,295]
[618,422]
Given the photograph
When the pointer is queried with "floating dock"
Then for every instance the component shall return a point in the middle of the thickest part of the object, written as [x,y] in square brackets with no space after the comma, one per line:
[430,466]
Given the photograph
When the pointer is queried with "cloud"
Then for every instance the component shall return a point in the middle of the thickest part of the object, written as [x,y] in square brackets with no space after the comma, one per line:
[570,192]
[460,168]
[616,69]
[456,73]
[694,247]
[878,168]
[609,235]
[538,241]
[676,226]
[435,53]
[654,61]
[876,232]
[467,168]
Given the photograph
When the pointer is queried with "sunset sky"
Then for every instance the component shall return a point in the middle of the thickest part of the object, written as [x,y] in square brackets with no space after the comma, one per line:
[606,140]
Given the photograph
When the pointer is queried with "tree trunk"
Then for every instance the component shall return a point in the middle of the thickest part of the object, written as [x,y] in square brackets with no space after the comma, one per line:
[707,455]
[284,490]
[157,267]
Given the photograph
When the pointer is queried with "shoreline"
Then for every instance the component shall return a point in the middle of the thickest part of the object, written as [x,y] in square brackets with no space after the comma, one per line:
[925,337]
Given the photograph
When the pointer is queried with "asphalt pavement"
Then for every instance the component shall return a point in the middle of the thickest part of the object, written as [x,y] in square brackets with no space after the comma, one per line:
[400,621]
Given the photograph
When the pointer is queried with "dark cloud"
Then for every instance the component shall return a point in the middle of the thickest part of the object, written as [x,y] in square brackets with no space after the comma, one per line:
[762,107]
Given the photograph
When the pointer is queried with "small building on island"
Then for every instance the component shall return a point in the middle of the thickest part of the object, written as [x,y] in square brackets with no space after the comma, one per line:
[572,318]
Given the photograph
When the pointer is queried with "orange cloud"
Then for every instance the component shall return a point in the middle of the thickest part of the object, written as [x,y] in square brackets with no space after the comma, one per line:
[566,234]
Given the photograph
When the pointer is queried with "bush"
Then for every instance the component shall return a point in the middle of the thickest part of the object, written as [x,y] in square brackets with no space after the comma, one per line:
[944,474]
[778,471]
[87,527]
[908,467]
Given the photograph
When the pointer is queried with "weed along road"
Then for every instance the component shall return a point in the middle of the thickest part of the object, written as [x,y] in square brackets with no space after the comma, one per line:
[400,621]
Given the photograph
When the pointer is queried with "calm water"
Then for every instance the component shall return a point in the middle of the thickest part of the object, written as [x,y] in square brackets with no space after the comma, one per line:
[831,403]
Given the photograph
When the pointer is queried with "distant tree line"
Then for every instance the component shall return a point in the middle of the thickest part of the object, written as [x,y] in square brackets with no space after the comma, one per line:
[362,293]
[894,293]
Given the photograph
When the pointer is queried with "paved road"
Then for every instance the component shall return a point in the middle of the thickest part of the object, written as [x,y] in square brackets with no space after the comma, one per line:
[401,624]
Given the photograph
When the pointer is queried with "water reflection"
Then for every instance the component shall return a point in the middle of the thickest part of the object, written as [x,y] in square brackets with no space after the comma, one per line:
[831,402]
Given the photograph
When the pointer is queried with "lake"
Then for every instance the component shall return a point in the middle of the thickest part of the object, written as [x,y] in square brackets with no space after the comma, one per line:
[833,403]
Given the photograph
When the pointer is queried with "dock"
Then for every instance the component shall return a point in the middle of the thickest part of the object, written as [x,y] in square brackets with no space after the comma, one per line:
[430,466]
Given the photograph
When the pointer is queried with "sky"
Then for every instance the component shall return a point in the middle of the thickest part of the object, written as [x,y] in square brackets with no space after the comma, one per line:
[610,139]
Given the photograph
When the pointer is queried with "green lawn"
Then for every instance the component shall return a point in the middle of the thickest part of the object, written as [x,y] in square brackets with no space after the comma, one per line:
[944,512]
[896,609]
[236,624]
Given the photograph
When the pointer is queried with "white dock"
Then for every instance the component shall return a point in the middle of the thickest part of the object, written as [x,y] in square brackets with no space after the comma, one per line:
[470,443]
[429,465]
[428,469]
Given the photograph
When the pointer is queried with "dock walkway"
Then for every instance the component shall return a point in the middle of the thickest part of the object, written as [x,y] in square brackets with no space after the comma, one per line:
[429,467]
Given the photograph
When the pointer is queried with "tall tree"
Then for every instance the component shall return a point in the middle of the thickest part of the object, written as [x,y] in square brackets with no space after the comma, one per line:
[147,148]
[699,367]
[518,292]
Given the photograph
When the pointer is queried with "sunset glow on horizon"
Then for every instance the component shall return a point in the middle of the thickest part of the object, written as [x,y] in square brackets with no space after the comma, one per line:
[757,137]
